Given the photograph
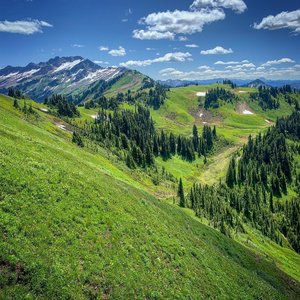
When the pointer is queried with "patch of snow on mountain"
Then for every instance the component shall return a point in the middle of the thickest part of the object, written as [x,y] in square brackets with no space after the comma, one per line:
[68,65]
[114,74]
[9,75]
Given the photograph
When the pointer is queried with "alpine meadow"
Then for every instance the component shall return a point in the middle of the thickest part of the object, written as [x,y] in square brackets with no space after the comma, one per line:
[149,150]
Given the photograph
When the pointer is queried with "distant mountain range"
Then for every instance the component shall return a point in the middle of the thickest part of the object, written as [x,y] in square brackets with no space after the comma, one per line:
[72,76]
[239,82]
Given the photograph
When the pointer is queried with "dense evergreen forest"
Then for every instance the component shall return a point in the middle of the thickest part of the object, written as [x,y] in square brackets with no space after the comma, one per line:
[214,96]
[256,183]
[267,97]
[63,107]
[133,137]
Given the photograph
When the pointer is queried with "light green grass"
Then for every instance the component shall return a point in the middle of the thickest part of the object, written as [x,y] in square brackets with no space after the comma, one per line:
[75,227]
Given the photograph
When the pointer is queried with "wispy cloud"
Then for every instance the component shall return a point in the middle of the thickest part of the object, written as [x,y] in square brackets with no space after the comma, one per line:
[176,56]
[290,20]
[242,66]
[26,27]
[103,48]
[191,46]
[101,62]
[204,68]
[277,62]
[217,50]
[78,46]
[220,62]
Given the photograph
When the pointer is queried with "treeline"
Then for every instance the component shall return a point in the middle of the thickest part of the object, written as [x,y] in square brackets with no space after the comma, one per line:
[213,97]
[103,103]
[229,82]
[132,135]
[15,93]
[63,107]
[154,97]
[254,185]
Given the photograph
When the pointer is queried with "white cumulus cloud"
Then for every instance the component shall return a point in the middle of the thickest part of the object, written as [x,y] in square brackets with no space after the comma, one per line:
[166,25]
[117,52]
[290,20]
[238,6]
[217,50]
[176,56]
[23,27]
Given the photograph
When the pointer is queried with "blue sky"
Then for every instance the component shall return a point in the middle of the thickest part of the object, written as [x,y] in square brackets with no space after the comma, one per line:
[183,39]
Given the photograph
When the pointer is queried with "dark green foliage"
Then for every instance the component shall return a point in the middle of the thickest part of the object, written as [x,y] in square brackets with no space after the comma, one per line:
[76,138]
[229,82]
[133,132]
[103,102]
[267,97]
[265,169]
[147,83]
[210,202]
[16,104]
[231,173]
[14,93]
[213,97]
[63,107]
[180,194]
[154,98]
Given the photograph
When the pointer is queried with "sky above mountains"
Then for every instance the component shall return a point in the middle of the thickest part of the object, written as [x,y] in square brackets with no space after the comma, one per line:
[177,39]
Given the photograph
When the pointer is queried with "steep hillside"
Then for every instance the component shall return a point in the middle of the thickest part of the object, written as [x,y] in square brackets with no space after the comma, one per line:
[131,80]
[73,226]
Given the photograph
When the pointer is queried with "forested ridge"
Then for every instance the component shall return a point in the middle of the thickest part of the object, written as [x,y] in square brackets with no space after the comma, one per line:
[133,136]
[256,183]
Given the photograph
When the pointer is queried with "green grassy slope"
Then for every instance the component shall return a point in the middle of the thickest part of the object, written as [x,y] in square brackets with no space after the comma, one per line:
[131,80]
[75,227]
[181,111]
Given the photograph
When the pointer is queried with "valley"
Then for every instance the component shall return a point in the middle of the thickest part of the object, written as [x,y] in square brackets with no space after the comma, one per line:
[106,221]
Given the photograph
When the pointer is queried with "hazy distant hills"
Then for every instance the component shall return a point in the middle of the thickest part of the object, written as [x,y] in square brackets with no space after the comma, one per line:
[239,82]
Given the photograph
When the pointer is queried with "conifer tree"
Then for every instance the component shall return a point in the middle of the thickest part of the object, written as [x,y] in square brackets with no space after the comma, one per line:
[181,194]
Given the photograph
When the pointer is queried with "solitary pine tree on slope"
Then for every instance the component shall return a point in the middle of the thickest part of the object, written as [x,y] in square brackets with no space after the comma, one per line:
[181,194]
